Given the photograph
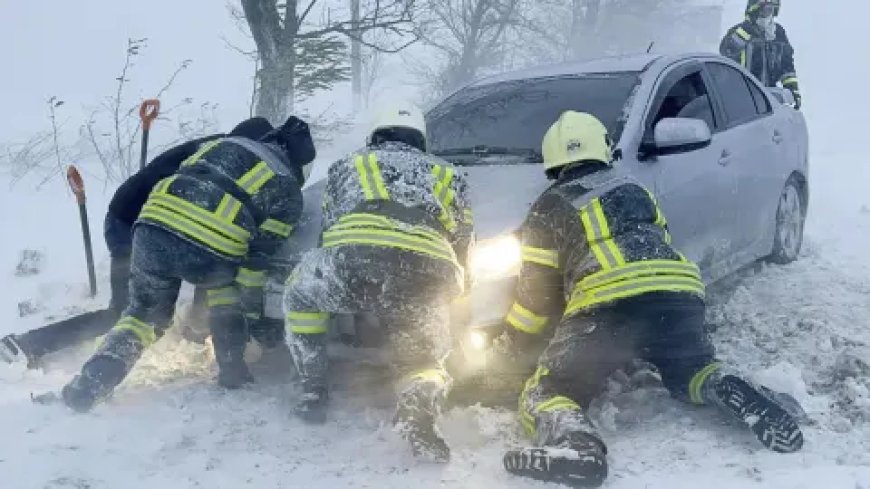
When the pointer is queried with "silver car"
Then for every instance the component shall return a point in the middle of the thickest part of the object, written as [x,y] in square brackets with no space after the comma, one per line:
[726,157]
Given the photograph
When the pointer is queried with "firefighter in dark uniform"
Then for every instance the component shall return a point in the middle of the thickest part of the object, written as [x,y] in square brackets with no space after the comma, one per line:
[760,44]
[124,208]
[396,233]
[214,223]
[597,255]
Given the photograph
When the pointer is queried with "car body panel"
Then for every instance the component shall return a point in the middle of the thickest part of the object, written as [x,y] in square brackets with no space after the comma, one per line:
[722,216]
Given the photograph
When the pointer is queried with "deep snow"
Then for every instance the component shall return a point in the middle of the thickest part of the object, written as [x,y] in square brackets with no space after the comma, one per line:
[800,328]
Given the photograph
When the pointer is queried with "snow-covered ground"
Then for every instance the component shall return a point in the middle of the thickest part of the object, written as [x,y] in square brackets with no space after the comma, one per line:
[802,329]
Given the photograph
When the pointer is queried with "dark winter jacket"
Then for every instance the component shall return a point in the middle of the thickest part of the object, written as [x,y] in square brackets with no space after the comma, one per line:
[129,198]
[771,62]
[594,237]
[235,197]
[422,196]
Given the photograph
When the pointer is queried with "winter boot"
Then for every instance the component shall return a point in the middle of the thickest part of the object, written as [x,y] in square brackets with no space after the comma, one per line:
[229,335]
[313,405]
[578,459]
[107,368]
[771,423]
[95,384]
[415,421]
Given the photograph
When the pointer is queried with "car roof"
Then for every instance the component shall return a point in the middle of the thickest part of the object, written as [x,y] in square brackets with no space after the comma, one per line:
[613,64]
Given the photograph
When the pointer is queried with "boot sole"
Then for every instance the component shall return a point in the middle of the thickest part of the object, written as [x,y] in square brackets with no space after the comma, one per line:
[774,427]
[545,464]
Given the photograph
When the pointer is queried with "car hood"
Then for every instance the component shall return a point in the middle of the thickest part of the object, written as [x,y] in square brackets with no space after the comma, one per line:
[501,196]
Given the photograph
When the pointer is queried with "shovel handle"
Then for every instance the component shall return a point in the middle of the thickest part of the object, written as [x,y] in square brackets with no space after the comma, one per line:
[148,111]
[76,183]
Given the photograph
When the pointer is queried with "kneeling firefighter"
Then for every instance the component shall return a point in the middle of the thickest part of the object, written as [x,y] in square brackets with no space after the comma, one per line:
[396,233]
[214,223]
[596,251]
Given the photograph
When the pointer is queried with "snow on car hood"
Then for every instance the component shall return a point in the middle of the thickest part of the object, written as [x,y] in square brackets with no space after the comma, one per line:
[501,195]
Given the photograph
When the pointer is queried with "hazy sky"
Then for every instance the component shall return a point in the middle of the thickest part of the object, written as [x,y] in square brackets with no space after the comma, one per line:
[74,49]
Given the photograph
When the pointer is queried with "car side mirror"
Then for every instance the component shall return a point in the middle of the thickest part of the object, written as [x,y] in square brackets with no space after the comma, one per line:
[678,135]
[783,95]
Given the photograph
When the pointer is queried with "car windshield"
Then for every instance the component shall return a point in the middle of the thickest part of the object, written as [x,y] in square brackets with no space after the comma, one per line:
[507,120]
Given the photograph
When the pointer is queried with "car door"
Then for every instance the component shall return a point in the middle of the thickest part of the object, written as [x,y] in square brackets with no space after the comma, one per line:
[751,145]
[692,187]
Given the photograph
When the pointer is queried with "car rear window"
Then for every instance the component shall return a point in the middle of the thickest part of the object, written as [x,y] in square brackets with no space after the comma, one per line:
[516,114]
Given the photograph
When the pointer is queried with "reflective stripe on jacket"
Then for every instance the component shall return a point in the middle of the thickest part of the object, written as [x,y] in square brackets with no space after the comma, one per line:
[771,61]
[225,197]
[396,196]
[594,237]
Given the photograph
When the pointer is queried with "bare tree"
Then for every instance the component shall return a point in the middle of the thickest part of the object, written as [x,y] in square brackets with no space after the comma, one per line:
[469,35]
[33,155]
[53,104]
[301,54]
[115,147]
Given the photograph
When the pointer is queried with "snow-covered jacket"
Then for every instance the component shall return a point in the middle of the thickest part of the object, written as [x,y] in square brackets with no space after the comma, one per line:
[398,196]
[235,197]
[594,237]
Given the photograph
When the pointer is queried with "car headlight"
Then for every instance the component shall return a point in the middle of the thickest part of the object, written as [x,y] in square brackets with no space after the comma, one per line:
[478,340]
[495,258]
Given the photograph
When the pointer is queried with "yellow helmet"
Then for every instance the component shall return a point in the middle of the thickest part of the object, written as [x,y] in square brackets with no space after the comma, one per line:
[576,136]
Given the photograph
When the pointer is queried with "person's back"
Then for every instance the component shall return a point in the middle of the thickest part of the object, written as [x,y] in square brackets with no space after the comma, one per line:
[391,171]
[620,234]
[231,193]
[761,45]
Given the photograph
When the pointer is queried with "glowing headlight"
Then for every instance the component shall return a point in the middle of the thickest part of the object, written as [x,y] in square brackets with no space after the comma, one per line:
[478,340]
[495,258]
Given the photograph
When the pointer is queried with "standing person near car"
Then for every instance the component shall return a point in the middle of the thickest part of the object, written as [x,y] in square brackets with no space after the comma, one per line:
[760,44]
[596,252]
[396,233]
[124,208]
[214,223]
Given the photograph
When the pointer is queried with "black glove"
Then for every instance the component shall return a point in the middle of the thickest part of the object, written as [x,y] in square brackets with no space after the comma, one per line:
[797,99]
[295,137]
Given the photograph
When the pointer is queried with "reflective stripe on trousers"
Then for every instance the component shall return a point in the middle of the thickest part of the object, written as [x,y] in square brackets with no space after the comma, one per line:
[299,322]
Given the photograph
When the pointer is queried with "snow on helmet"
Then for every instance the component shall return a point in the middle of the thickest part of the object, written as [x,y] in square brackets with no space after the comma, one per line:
[403,123]
[753,7]
[576,137]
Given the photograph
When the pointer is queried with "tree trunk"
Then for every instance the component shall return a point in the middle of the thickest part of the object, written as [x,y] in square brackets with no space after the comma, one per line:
[275,96]
[355,56]
[583,41]
[277,49]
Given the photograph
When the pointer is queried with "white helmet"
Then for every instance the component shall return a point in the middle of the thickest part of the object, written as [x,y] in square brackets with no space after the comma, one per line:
[404,116]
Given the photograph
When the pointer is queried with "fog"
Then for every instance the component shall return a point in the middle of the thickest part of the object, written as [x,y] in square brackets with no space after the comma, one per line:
[74,50]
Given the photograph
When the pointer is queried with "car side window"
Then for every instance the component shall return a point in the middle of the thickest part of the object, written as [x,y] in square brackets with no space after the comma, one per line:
[762,105]
[688,98]
[739,104]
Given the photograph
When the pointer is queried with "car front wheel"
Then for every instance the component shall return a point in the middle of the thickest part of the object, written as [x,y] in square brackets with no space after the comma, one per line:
[790,217]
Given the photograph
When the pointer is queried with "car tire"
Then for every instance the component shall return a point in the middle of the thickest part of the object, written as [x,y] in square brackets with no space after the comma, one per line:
[790,218]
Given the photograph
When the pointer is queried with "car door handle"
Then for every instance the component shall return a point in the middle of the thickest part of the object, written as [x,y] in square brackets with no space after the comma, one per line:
[777,137]
[725,158]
